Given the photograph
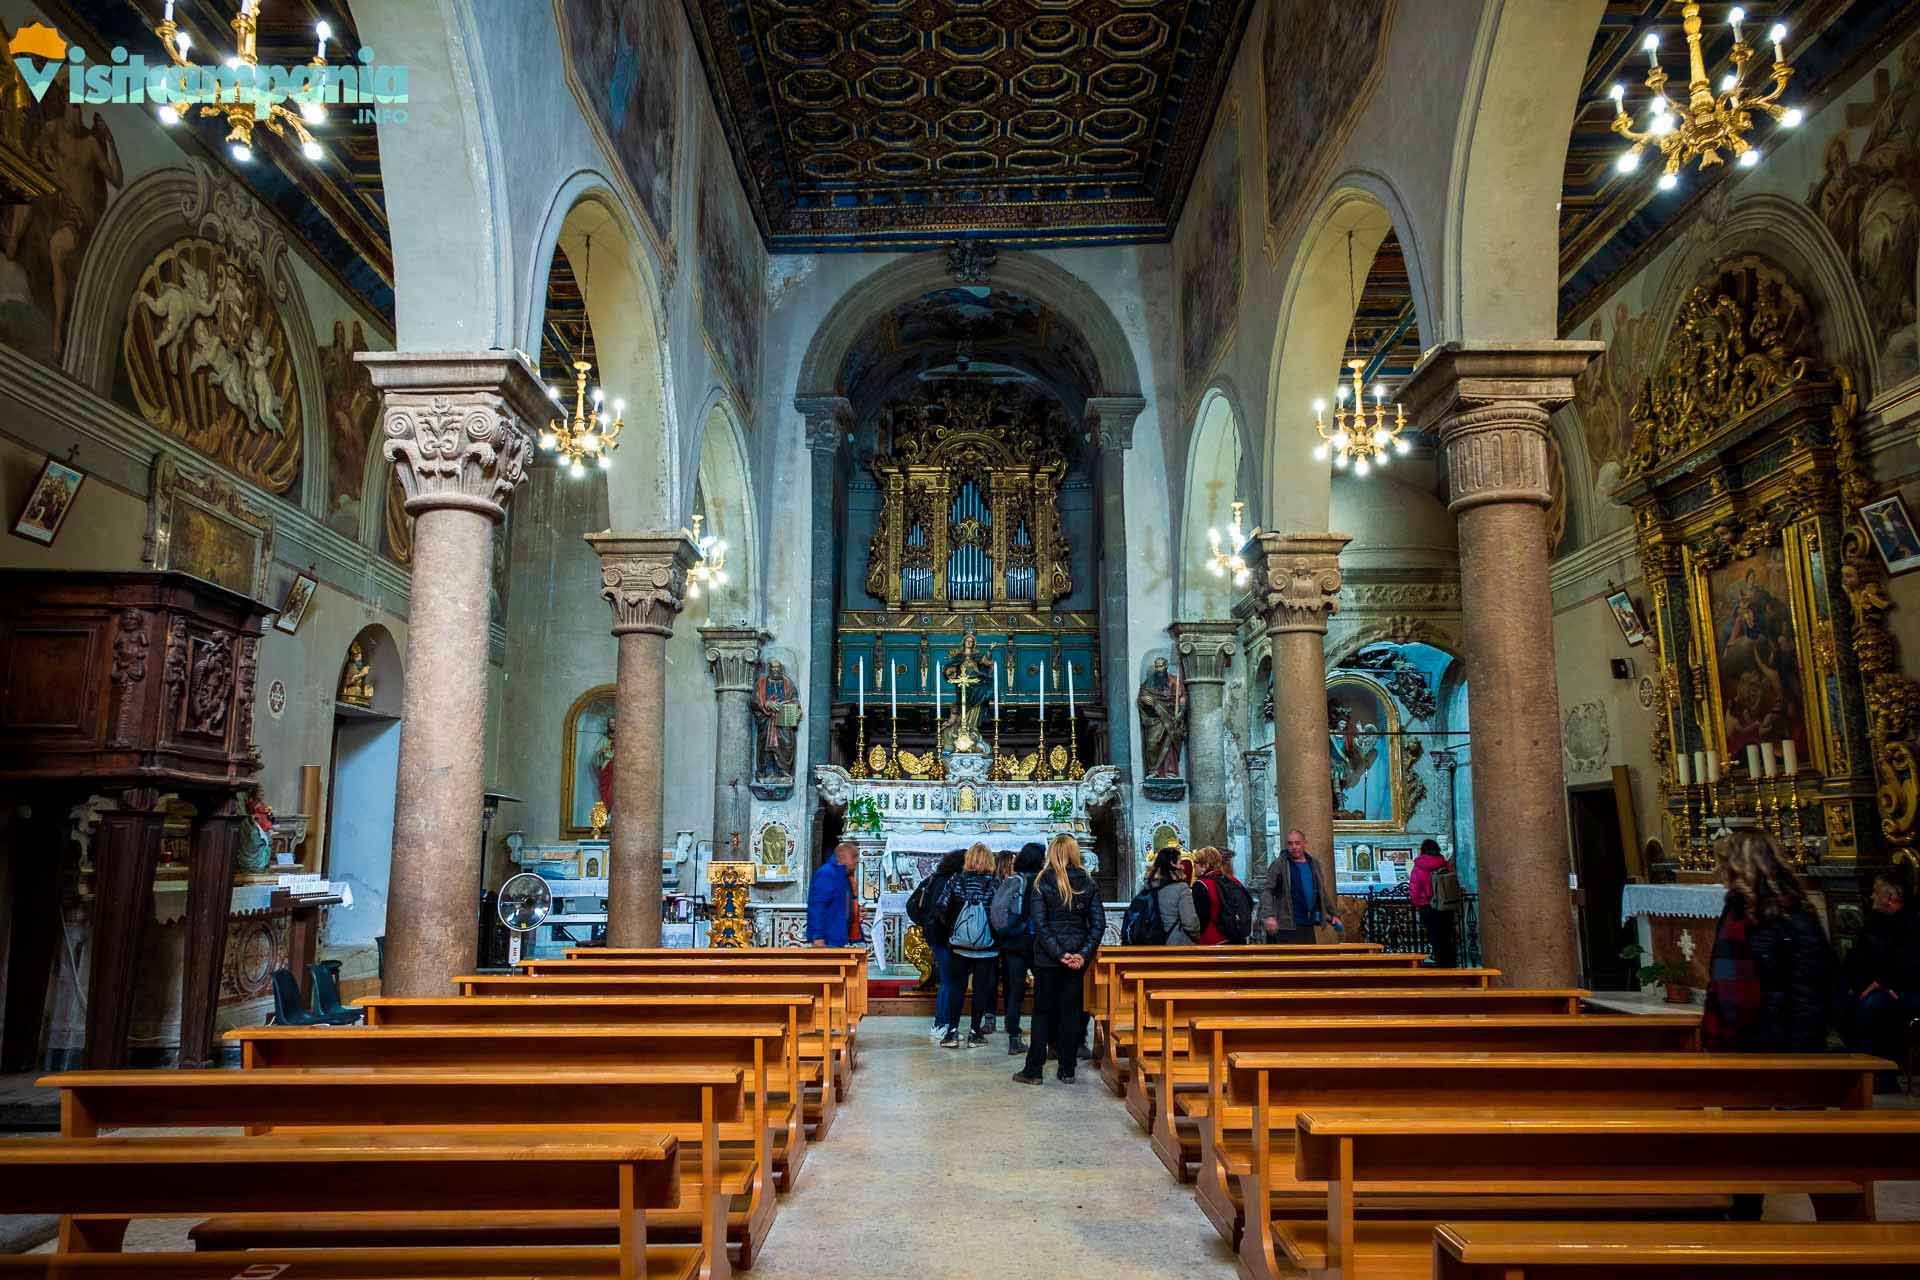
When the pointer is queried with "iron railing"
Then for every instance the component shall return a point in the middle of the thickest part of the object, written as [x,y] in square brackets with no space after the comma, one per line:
[1394,923]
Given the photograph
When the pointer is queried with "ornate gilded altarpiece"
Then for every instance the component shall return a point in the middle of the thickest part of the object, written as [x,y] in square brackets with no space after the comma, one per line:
[1765,598]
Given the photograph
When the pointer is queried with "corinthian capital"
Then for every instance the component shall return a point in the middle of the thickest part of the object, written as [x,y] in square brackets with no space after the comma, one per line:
[829,418]
[458,425]
[644,577]
[1206,649]
[1296,580]
[733,654]
[1489,404]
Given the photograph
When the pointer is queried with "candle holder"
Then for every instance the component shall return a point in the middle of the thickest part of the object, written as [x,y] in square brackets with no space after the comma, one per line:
[996,767]
[1799,821]
[937,767]
[859,769]
[1075,770]
[893,746]
[1041,773]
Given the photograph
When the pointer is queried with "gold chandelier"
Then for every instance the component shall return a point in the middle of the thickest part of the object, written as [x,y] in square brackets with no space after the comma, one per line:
[1224,556]
[590,433]
[238,103]
[711,569]
[1350,438]
[1710,122]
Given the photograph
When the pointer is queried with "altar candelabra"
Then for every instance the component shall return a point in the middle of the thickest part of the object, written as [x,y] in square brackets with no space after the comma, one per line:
[1075,770]
[1041,771]
[859,769]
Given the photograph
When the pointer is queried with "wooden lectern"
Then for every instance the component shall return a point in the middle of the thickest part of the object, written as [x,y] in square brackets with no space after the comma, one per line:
[135,686]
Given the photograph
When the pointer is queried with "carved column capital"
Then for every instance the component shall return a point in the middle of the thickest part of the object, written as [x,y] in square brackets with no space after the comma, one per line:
[1489,403]
[459,426]
[1296,580]
[644,577]
[1111,419]
[829,418]
[733,654]
[1206,648]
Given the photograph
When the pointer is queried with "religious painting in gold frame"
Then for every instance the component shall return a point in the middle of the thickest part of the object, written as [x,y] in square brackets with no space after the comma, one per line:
[1754,626]
[1369,780]
[586,760]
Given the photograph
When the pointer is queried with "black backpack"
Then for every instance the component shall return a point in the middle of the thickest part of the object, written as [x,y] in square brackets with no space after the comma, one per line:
[923,900]
[1142,926]
[1236,909]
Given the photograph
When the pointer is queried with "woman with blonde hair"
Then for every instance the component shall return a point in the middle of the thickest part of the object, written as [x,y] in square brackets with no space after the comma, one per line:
[1770,982]
[1067,921]
[1224,905]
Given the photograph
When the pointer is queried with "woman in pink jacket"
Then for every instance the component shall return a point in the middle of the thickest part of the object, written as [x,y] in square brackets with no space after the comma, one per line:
[1438,923]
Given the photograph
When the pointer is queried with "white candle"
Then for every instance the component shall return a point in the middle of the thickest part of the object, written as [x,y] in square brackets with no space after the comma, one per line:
[1791,753]
[1681,773]
[863,688]
[893,689]
[1753,761]
[996,691]
[1069,690]
[1767,758]
[1699,767]
[1043,690]
[1713,766]
[166,11]
[937,674]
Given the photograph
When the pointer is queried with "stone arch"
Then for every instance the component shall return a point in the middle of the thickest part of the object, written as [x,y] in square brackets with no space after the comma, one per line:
[1024,273]
[1220,469]
[623,306]
[1502,265]
[444,180]
[152,213]
[386,658]
[1395,630]
[724,474]
[1788,235]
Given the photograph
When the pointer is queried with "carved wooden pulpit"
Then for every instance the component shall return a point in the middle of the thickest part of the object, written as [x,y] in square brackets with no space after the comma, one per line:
[135,686]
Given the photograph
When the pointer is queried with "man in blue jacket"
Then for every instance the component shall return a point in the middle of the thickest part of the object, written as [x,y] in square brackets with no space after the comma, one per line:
[830,898]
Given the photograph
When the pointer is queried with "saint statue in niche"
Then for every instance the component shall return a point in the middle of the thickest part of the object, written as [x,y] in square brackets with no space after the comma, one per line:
[1163,719]
[776,709]
[602,764]
[970,674]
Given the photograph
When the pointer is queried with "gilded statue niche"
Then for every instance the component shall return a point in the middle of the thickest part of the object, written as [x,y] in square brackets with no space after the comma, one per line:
[1767,601]
[209,363]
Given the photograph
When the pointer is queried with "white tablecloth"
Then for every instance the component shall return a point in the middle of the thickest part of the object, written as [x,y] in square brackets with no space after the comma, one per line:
[1694,901]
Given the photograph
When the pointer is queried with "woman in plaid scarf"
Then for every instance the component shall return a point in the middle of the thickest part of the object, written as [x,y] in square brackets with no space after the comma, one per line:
[1770,981]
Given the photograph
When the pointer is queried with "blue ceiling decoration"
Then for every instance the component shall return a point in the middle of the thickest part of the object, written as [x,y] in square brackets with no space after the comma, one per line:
[896,124]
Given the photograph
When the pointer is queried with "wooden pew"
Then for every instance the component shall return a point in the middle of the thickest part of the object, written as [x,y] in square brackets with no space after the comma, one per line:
[572,1263]
[1674,1251]
[1274,1088]
[831,989]
[1585,1156]
[108,1181]
[789,1076]
[1227,1133]
[727,955]
[701,1106]
[1094,977]
[1134,1033]
[851,969]
[1180,1085]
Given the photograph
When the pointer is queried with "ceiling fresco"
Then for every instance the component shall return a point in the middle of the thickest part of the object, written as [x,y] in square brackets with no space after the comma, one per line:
[982,330]
[893,123]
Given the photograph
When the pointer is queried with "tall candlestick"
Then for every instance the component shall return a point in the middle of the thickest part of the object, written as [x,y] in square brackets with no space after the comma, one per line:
[936,708]
[1070,707]
[893,690]
[1043,690]
[863,688]
[996,690]
[1792,756]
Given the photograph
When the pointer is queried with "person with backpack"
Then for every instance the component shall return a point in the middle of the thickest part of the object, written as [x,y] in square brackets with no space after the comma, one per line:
[1067,921]
[1296,899]
[1221,903]
[971,953]
[1163,914]
[925,907]
[1433,887]
[1008,915]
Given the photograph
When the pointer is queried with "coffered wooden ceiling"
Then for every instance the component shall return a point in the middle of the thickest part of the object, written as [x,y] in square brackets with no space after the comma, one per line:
[862,124]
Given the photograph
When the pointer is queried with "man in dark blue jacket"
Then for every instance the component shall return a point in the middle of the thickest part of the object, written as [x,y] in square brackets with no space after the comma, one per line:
[830,898]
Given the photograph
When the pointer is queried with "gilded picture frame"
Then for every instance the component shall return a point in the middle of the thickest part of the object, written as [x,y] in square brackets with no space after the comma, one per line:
[1384,740]
[1737,608]
[586,745]
[199,524]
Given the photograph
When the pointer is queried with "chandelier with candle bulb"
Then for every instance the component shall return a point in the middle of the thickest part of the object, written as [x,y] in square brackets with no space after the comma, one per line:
[1350,438]
[1710,122]
[592,433]
[1224,557]
[711,569]
[234,97]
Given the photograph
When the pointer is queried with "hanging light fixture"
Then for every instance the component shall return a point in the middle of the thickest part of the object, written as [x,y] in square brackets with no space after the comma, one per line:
[238,104]
[1350,438]
[1710,122]
[1224,557]
[590,434]
[711,569]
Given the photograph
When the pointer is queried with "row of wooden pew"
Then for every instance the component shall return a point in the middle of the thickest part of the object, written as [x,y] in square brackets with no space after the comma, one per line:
[1358,1115]
[632,1114]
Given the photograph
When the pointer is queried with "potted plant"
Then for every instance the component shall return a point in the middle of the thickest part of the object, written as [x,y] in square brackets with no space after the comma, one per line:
[863,814]
[1665,973]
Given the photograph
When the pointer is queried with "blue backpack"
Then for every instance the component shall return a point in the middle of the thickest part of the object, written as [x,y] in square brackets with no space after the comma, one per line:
[973,931]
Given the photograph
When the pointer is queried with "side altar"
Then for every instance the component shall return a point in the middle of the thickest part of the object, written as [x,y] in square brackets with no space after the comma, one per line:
[904,826]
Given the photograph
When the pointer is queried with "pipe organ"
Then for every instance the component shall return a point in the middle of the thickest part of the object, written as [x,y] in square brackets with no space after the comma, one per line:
[970,477]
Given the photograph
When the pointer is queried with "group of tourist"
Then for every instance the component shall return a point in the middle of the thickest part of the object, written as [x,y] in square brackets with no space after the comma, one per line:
[1195,900]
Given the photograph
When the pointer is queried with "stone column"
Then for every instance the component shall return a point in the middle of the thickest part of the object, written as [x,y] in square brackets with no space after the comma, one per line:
[829,419]
[1296,585]
[1111,420]
[459,431]
[644,577]
[733,655]
[1206,651]
[1489,405]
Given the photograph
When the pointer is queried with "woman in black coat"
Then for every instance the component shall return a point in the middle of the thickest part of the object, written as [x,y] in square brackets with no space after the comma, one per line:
[1067,920]
[1770,982]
